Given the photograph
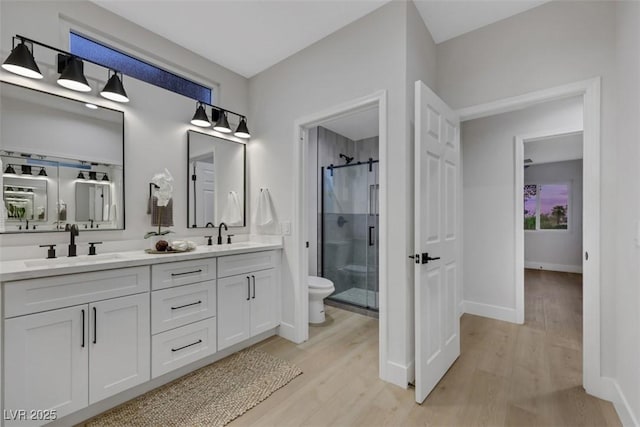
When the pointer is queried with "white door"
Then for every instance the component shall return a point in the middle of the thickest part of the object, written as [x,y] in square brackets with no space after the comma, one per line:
[437,259]
[46,361]
[234,317]
[263,301]
[120,335]
[204,193]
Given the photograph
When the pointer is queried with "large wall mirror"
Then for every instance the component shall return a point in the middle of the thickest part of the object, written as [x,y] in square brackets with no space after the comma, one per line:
[216,181]
[62,162]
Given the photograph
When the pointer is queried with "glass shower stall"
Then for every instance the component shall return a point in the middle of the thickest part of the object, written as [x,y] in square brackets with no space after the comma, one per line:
[349,219]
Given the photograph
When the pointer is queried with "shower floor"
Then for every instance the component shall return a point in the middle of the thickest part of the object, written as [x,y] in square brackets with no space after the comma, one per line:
[358,296]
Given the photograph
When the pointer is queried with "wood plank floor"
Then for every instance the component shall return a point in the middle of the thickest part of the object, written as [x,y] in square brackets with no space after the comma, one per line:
[514,375]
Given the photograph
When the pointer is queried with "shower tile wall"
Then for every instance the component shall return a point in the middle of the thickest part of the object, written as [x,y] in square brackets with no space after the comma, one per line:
[346,245]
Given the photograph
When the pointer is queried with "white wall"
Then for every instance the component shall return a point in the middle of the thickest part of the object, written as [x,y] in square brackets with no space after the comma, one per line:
[627,213]
[156,120]
[559,250]
[361,58]
[488,156]
[553,44]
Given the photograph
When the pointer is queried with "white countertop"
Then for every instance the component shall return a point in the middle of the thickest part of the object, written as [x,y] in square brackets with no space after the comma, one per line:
[34,268]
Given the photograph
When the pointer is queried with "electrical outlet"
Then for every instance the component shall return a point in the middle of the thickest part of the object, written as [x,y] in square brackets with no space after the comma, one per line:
[285,227]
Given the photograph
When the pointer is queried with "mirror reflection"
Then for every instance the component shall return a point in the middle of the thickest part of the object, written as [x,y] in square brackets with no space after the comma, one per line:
[62,162]
[216,181]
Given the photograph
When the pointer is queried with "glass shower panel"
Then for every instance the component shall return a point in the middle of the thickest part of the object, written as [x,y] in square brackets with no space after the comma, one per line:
[373,222]
[345,232]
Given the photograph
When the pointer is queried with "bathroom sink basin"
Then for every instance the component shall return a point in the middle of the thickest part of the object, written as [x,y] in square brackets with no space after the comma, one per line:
[69,261]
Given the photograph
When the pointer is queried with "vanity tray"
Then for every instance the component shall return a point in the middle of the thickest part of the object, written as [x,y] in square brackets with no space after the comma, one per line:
[155,252]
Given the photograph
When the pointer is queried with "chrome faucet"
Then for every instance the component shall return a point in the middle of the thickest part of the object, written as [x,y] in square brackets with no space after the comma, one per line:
[222,224]
[73,230]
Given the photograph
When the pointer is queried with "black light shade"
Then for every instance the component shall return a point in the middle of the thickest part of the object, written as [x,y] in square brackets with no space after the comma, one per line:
[222,125]
[10,169]
[42,172]
[105,177]
[80,175]
[242,131]
[93,175]
[72,76]
[114,90]
[200,117]
[20,61]
[26,169]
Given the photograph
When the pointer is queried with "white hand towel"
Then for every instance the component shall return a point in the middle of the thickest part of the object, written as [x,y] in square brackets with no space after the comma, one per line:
[264,214]
[232,211]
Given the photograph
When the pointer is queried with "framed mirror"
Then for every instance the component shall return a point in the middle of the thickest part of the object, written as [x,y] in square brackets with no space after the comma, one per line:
[216,181]
[62,162]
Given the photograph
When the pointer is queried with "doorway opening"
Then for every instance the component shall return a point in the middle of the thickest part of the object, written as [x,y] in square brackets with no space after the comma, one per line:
[354,192]
[589,92]
[343,215]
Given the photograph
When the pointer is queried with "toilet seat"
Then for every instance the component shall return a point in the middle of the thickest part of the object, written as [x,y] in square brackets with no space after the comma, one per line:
[319,283]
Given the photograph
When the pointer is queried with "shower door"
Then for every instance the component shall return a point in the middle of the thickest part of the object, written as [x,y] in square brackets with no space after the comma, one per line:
[349,240]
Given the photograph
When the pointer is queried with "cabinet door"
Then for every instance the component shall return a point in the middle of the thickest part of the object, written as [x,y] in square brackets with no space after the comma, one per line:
[263,301]
[233,310]
[120,345]
[46,361]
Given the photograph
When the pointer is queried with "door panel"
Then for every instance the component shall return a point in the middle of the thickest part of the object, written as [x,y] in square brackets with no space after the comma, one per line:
[234,316]
[437,210]
[46,361]
[263,301]
[120,341]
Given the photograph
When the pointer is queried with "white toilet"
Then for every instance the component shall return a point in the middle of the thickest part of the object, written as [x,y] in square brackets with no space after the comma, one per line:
[319,289]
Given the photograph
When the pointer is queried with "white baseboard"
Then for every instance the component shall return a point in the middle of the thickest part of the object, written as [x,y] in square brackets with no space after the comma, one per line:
[621,404]
[461,309]
[553,267]
[288,332]
[491,311]
[399,375]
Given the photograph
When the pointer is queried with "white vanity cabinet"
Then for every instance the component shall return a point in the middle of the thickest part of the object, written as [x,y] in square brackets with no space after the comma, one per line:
[247,302]
[68,358]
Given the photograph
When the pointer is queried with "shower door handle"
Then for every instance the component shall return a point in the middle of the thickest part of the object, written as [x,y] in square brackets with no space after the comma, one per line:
[371,242]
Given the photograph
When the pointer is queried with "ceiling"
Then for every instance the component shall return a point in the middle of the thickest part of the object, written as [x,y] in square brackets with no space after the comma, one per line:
[356,126]
[554,149]
[252,35]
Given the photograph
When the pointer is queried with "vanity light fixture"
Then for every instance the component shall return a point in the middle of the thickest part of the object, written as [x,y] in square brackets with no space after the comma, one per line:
[72,76]
[80,175]
[20,61]
[42,172]
[25,169]
[10,169]
[114,90]
[242,131]
[93,175]
[200,117]
[222,125]
[105,177]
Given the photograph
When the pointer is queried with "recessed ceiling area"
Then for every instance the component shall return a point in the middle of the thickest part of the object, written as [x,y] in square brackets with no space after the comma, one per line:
[558,148]
[356,126]
[250,36]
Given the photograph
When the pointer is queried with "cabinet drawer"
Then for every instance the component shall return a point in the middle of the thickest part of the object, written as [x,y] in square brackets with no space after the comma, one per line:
[182,273]
[48,293]
[244,263]
[181,305]
[181,346]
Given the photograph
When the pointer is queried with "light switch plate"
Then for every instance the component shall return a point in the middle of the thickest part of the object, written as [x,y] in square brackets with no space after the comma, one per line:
[285,227]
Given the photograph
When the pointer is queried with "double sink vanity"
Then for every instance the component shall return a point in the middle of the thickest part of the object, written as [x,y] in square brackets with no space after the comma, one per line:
[82,334]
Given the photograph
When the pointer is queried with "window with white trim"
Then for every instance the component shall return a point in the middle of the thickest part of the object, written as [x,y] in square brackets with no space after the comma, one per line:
[546,206]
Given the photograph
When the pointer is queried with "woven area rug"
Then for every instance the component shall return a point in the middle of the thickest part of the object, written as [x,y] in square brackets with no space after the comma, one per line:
[211,396]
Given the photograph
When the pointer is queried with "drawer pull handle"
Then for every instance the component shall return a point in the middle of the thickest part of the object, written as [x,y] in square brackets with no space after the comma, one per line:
[186,305]
[186,272]
[185,346]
